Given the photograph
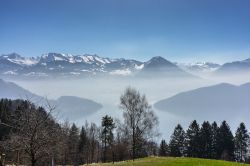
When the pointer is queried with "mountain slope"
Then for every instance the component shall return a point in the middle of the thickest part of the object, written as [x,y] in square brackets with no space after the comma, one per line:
[158,66]
[199,67]
[53,65]
[218,100]
[13,91]
[72,107]
[67,106]
[235,67]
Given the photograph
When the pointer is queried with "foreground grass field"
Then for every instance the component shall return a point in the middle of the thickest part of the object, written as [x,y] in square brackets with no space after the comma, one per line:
[168,161]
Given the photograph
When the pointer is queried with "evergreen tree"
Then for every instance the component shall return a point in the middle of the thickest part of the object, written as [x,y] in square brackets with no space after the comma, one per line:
[241,143]
[73,141]
[206,140]
[83,145]
[192,140]
[214,139]
[177,141]
[107,134]
[163,151]
[225,142]
[5,117]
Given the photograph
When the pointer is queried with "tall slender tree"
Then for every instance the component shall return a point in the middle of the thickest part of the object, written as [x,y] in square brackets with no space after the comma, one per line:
[83,145]
[163,150]
[73,141]
[193,140]
[140,120]
[108,126]
[241,143]
[214,143]
[225,142]
[177,142]
[206,140]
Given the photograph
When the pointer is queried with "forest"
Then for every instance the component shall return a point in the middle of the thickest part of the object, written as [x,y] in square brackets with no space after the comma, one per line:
[31,135]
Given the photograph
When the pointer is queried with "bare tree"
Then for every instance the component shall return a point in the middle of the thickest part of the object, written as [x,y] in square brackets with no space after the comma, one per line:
[139,118]
[34,132]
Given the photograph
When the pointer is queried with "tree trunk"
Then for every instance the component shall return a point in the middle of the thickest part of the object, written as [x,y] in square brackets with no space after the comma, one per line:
[33,160]
[133,144]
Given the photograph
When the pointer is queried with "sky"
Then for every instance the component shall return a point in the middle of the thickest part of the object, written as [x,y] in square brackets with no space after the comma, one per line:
[179,30]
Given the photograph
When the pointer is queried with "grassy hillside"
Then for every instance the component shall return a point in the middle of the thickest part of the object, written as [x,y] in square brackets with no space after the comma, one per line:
[168,161]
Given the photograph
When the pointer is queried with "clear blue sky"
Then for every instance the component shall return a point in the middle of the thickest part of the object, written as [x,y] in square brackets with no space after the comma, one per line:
[179,30]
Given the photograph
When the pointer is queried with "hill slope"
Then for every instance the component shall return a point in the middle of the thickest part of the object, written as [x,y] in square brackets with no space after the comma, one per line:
[213,101]
[169,161]
[70,107]
[158,66]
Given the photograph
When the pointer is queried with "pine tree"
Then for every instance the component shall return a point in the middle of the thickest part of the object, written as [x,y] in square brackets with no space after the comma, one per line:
[107,134]
[163,151]
[225,142]
[73,141]
[206,140]
[83,145]
[5,117]
[192,140]
[241,142]
[214,137]
[177,141]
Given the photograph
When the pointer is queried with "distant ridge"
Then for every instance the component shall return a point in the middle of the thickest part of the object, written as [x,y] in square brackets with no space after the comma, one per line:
[70,107]
[212,101]
[67,65]
[52,65]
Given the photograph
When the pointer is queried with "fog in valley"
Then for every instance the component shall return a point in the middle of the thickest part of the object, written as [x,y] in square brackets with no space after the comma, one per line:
[107,91]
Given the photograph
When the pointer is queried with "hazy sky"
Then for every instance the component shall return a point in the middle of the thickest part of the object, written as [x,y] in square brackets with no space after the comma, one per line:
[179,30]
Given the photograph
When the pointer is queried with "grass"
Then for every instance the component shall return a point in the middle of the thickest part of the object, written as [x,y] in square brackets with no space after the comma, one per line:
[170,161]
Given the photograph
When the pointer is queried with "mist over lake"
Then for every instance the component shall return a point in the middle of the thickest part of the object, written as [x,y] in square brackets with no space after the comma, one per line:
[107,91]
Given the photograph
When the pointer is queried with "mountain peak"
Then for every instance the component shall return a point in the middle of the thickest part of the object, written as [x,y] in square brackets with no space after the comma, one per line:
[159,62]
[157,59]
[12,56]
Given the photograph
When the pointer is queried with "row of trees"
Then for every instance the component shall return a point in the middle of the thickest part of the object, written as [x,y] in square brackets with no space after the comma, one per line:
[30,135]
[208,141]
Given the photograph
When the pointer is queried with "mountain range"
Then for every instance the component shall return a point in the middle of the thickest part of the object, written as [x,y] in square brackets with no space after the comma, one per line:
[66,106]
[65,65]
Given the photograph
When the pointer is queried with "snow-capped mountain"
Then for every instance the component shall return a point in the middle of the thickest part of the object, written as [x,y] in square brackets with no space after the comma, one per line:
[86,65]
[158,66]
[19,60]
[199,67]
[57,64]
[88,59]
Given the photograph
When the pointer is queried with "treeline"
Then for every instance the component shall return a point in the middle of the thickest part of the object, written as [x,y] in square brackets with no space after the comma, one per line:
[209,141]
[30,135]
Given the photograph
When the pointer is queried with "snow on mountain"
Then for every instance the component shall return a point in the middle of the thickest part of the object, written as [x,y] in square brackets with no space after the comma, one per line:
[160,67]
[10,73]
[17,59]
[88,59]
[124,72]
[51,57]
[139,67]
[199,67]
[58,64]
